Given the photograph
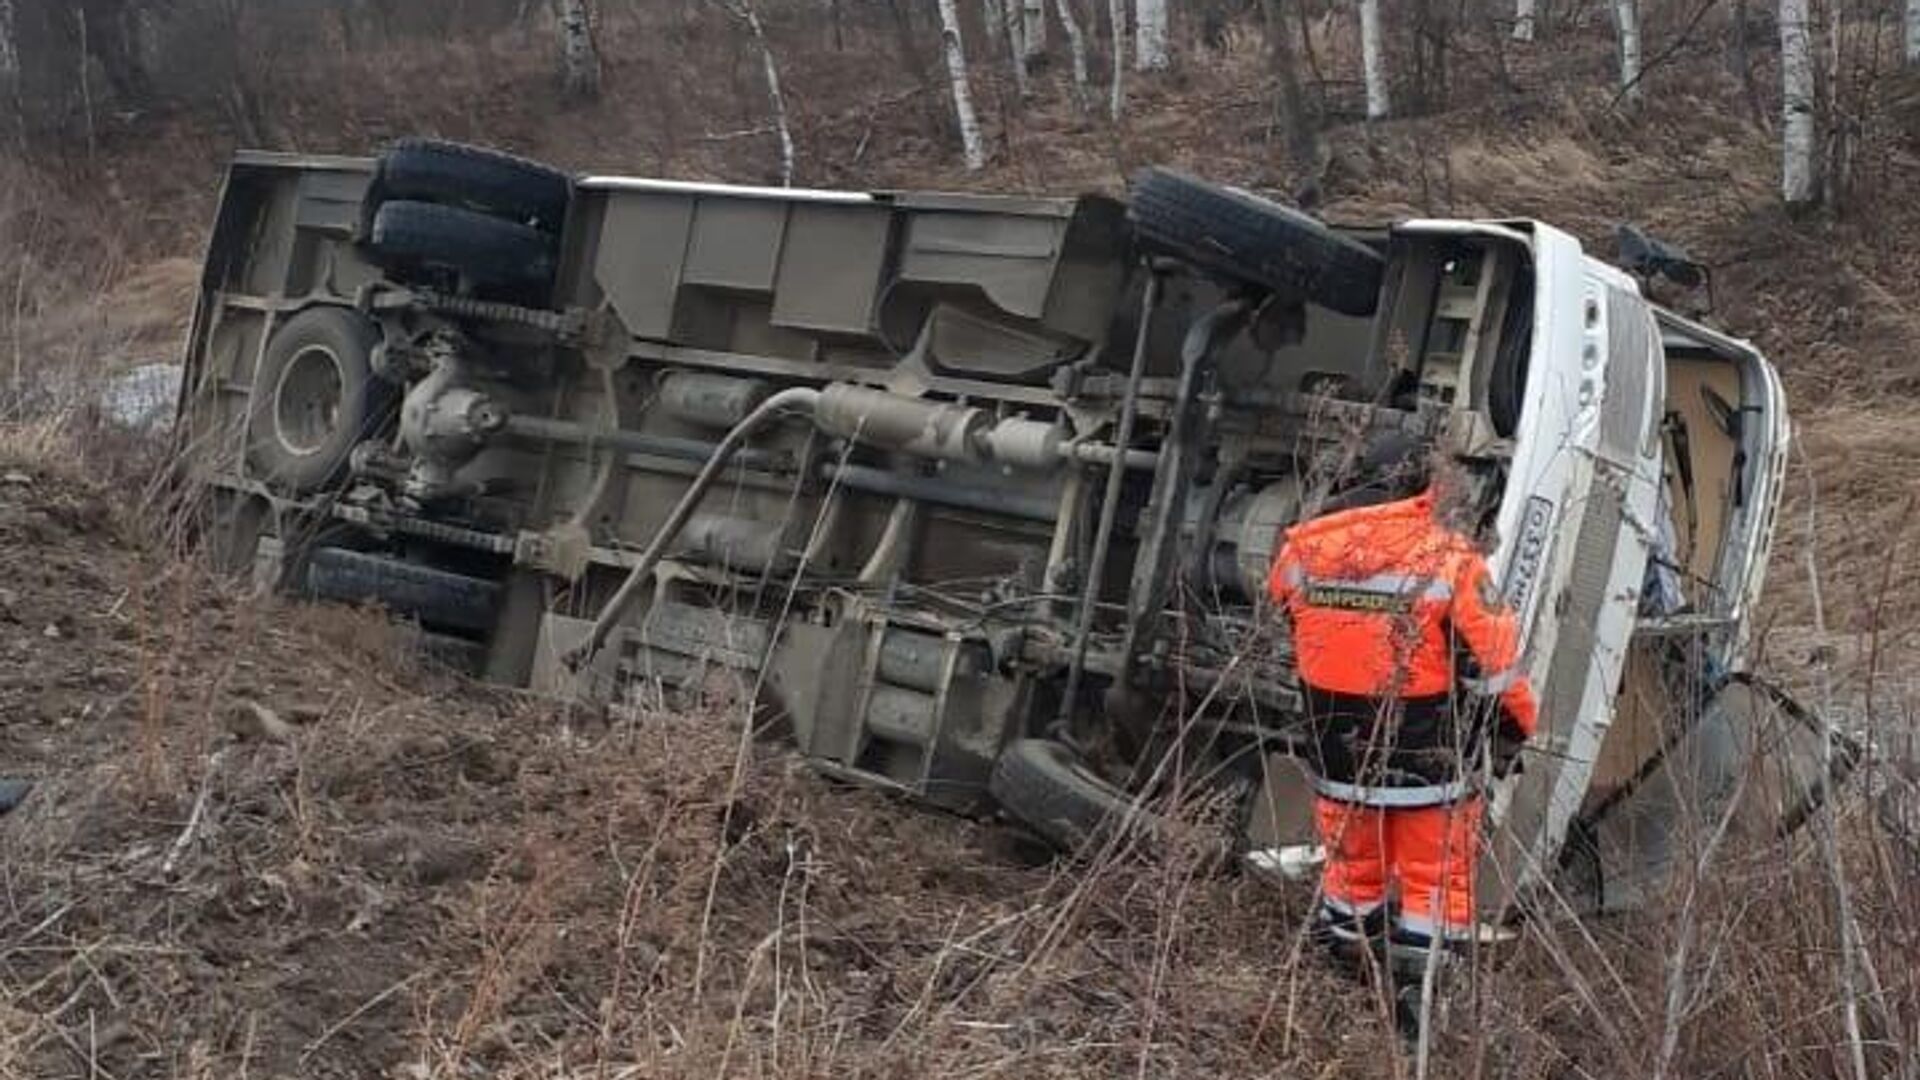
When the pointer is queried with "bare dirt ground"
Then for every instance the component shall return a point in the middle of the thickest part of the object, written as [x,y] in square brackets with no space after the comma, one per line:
[276,842]
[266,843]
[272,842]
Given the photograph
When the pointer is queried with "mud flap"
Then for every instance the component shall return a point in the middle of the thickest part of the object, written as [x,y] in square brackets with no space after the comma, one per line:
[1753,766]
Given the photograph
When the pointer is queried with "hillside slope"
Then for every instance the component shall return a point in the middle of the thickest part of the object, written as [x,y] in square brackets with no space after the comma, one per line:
[274,841]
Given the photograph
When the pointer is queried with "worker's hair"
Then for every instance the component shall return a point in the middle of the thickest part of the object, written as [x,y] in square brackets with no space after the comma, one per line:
[1462,503]
[1390,465]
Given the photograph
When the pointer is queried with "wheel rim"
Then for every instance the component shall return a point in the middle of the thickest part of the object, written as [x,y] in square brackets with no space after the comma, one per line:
[307,402]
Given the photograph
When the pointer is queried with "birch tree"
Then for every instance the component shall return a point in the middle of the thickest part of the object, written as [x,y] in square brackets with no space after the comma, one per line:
[1796,85]
[970,143]
[1626,18]
[743,10]
[579,59]
[1524,12]
[1117,92]
[1077,44]
[1372,60]
[1150,35]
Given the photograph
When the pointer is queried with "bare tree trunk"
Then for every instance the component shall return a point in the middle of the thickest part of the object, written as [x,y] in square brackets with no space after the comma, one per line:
[1150,31]
[10,52]
[993,16]
[1033,26]
[579,59]
[775,99]
[1432,40]
[1913,31]
[1016,31]
[1797,104]
[15,120]
[1524,12]
[1373,60]
[1117,93]
[1742,64]
[1077,44]
[916,66]
[1291,104]
[1626,17]
[86,85]
[1833,167]
[970,144]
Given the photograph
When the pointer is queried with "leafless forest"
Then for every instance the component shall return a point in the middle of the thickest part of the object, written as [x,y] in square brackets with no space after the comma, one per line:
[273,847]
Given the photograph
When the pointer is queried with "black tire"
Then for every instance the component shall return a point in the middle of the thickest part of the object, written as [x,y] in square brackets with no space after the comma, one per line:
[1238,235]
[487,181]
[488,252]
[1050,789]
[437,598]
[315,398]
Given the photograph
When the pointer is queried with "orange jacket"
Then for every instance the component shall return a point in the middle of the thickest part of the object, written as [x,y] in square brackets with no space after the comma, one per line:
[1378,597]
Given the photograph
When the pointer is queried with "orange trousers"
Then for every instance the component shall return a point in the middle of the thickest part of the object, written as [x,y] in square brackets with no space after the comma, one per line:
[1428,852]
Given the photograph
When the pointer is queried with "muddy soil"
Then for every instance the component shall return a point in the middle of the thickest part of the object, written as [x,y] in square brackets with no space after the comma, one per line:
[265,842]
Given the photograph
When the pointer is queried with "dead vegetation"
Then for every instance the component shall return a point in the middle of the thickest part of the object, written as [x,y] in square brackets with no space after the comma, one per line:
[260,851]
[278,849]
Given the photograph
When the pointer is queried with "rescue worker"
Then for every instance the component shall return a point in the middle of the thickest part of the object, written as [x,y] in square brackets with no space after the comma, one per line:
[1394,615]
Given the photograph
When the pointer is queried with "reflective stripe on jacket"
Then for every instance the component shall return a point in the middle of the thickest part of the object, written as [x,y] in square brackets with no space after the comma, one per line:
[1382,600]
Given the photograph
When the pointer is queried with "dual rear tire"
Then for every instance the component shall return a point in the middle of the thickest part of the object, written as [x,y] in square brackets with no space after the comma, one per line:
[438,214]
[478,220]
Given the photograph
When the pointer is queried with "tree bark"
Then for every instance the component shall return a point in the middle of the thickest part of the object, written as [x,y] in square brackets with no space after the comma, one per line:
[1797,105]
[1077,44]
[1626,17]
[86,85]
[775,99]
[1016,31]
[1913,31]
[970,143]
[1432,41]
[10,52]
[1033,26]
[1524,13]
[579,59]
[1117,93]
[1373,60]
[1150,33]
[914,64]
[1291,104]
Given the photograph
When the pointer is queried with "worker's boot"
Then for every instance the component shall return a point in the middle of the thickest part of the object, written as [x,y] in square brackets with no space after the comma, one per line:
[1411,958]
[1348,940]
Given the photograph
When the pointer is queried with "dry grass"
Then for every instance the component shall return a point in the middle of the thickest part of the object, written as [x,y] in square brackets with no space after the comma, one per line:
[412,876]
[415,878]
